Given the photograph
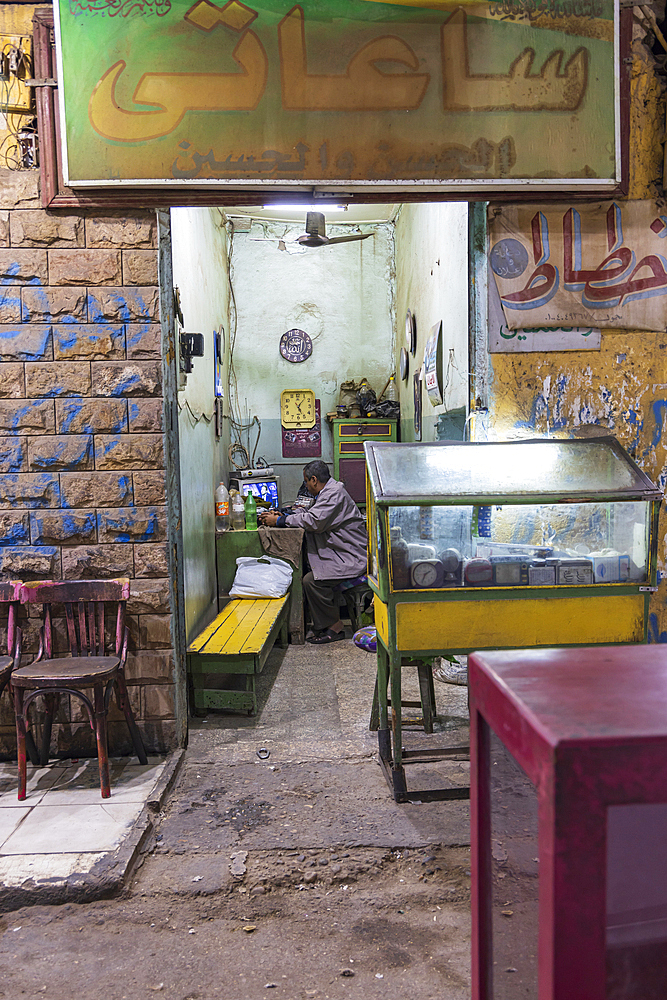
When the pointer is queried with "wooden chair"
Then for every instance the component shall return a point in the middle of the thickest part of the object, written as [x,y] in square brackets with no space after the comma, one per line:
[10,593]
[87,666]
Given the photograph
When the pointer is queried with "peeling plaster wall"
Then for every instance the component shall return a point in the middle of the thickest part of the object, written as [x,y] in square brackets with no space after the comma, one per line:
[199,251]
[341,296]
[431,281]
[621,389]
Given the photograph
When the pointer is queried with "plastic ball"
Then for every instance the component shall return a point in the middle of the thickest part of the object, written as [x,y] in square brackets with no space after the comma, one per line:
[366,638]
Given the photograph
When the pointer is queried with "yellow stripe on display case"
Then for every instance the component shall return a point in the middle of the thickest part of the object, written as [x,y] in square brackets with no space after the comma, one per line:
[542,621]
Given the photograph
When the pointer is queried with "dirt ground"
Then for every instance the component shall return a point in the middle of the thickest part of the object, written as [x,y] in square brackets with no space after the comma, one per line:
[296,876]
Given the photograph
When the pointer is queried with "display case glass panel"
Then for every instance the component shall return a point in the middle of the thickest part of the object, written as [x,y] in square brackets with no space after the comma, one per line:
[562,469]
[518,545]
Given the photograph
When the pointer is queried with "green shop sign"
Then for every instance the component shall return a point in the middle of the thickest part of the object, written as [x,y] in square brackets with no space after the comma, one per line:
[340,94]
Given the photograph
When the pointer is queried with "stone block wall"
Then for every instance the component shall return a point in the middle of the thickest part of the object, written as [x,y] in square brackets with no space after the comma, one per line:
[82,485]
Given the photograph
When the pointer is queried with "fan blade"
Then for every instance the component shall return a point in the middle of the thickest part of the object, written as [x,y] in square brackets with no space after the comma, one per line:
[313,241]
[349,239]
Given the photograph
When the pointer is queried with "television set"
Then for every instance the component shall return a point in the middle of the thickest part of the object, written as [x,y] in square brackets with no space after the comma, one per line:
[265,489]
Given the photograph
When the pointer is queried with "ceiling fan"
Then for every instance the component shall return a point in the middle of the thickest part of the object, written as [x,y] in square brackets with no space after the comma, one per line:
[316,236]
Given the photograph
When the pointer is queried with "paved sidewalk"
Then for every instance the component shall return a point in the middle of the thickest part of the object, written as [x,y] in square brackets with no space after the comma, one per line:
[65,841]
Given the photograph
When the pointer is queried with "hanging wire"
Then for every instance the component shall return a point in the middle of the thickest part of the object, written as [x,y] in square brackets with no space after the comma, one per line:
[17,149]
[238,426]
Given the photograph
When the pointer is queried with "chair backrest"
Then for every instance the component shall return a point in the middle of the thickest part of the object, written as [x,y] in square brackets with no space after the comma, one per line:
[84,602]
[10,593]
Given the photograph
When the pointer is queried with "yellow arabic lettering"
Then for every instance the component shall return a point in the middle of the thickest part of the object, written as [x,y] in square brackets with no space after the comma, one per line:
[518,90]
[172,94]
[363,87]
[207,15]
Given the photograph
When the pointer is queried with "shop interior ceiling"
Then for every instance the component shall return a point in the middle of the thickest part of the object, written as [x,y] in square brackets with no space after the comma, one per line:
[302,227]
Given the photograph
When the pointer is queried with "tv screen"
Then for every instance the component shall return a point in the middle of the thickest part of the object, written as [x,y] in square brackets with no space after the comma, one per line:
[265,489]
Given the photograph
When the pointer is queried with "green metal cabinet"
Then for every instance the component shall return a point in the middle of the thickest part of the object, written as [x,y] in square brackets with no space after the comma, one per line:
[349,436]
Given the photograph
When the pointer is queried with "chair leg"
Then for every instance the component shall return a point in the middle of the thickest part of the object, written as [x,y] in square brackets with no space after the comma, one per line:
[20,740]
[102,747]
[51,701]
[124,703]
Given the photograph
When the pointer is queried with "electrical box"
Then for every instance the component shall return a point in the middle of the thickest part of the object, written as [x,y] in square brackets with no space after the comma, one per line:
[15,68]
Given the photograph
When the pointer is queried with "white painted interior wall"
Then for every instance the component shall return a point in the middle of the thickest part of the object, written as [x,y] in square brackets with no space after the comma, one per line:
[432,281]
[342,296]
[199,253]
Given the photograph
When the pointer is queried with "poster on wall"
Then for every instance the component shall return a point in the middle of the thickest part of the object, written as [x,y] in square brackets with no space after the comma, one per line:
[502,340]
[350,93]
[433,365]
[304,442]
[580,266]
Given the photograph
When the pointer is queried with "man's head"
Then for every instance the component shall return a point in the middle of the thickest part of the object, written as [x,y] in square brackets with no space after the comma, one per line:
[315,476]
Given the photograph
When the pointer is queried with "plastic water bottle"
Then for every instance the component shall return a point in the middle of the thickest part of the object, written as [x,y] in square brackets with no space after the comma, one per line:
[237,512]
[250,513]
[392,391]
[221,508]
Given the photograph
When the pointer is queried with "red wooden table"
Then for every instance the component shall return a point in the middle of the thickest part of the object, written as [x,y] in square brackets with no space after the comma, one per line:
[589,728]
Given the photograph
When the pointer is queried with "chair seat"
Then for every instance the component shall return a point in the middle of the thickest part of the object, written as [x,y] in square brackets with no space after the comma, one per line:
[66,670]
[5,663]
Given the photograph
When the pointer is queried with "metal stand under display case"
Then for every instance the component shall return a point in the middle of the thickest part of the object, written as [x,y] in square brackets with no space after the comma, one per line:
[497,546]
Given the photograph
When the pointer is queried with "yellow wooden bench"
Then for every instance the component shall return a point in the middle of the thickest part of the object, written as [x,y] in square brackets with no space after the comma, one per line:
[237,642]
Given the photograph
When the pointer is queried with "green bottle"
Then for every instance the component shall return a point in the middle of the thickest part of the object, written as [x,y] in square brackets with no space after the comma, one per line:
[250,513]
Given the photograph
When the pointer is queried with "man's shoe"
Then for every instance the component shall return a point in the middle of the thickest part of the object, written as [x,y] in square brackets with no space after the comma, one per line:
[327,636]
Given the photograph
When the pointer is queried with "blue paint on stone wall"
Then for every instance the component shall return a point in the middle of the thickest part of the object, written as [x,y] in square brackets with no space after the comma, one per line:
[30,490]
[67,340]
[70,411]
[654,633]
[22,410]
[16,534]
[64,527]
[12,455]
[64,454]
[30,343]
[126,383]
[28,561]
[122,524]
[9,301]
[110,445]
[137,333]
[10,273]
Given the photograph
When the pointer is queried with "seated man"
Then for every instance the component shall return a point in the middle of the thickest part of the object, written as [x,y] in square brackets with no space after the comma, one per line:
[336,541]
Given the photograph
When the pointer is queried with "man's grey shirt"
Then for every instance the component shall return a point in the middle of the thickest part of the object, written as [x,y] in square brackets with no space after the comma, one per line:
[336,535]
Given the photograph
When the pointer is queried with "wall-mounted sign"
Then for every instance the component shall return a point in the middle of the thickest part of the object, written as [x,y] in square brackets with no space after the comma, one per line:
[295,346]
[502,340]
[433,365]
[581,266]
[346,93]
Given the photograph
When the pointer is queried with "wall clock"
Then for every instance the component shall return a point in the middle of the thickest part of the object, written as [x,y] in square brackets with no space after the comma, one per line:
[404,364]
[410,333]
[297,408]
[295,346]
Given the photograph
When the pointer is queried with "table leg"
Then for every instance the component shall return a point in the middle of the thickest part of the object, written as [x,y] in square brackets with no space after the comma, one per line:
[572,907]
[382,680]
[480,848]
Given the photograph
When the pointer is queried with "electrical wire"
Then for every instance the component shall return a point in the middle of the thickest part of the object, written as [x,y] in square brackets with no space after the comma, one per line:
[13,152]
[237,425]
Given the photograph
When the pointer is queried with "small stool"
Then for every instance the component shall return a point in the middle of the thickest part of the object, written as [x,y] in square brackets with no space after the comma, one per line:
[426,695]
[355,593]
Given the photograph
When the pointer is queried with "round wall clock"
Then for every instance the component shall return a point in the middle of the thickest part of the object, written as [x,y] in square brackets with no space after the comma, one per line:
[296,346]
[410,333]
[404,364]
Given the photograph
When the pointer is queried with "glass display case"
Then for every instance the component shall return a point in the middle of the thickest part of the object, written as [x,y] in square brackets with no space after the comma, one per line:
[506,544]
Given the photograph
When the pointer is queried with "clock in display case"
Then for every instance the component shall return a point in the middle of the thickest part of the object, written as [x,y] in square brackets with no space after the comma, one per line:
[527,543]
